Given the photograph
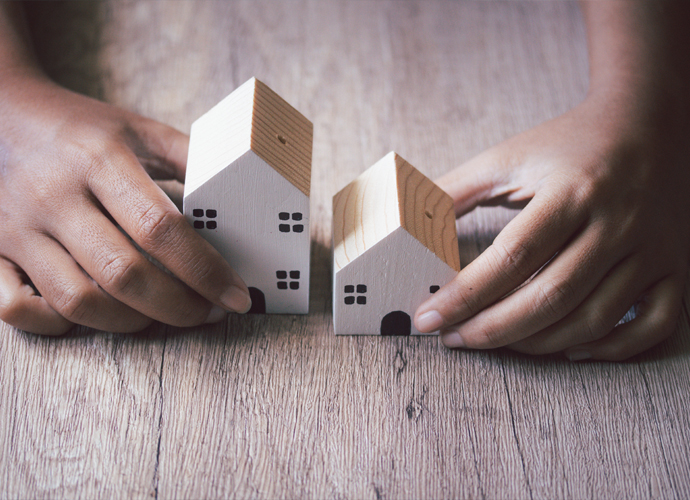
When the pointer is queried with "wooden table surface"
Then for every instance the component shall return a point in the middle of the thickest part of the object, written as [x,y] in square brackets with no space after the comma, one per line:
[277,406]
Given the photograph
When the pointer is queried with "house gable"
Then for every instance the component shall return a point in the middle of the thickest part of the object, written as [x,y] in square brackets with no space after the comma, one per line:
[396,274]
[261,239]
[389,195]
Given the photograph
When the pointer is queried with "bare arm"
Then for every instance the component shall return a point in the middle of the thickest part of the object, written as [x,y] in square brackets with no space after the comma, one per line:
[15,49]
[605,189]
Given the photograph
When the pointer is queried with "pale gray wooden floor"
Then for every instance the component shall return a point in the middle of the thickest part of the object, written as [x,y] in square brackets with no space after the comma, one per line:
[277,407]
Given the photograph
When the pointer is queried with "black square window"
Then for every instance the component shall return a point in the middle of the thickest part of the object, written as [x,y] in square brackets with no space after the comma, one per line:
[283,216]
[434,288]
[284,228]
[297,216]
[199,223]
[283,275]
[359,299]
[298,228]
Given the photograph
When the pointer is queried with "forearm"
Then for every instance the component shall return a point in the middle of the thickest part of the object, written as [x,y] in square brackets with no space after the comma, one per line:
[16,52]
[639,48]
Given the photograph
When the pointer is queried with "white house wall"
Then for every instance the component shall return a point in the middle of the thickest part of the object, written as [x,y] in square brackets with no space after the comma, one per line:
[397,272]
[248,197]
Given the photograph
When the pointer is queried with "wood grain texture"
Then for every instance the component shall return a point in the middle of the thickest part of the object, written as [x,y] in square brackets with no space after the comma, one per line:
[278,406]
[282,137]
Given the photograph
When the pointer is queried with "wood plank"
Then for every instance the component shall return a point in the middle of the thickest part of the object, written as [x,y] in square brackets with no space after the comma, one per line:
[278,406]
[80,415]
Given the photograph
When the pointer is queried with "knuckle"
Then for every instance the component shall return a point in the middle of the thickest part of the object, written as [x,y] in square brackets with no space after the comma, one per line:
[92,154]
[665,326]
[133,326]
[74,304]
[11,309]
[186,313]
[584,189]
[461,302]
[155,226]
[87,156]
[204,273]
[554,299]
[43,190]
[514,260]
[595,327]
[617,352]
[122,275]
[531,345]
[488,338]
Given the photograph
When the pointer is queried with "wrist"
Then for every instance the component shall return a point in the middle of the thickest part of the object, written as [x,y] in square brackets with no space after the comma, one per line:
[652,100]
[19,81]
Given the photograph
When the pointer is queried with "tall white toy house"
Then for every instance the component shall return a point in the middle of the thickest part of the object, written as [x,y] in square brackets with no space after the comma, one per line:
[247,193]
[394,245]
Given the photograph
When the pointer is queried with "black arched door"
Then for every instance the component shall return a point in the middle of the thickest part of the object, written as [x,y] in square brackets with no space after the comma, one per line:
[258,301]
[396,323]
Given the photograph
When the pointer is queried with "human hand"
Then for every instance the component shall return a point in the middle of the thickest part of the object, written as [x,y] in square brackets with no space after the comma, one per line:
[606,224]
[71,170]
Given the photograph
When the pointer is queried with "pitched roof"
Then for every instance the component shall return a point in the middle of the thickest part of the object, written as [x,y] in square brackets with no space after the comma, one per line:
[253,117]
[392,194]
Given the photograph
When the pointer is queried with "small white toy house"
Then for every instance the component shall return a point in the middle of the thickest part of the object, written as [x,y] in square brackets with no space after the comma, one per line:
[394,244]
[247,193]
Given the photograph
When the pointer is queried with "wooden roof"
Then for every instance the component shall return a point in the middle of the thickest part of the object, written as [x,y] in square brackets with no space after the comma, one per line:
[252,117]
[392,194]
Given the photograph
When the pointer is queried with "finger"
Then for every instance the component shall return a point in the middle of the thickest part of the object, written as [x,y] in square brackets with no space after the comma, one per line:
[529,241]
[22,308]
[557,290]
[161,149]
[480,179]
[75,296]
[122,271]
[598,314]
[656,320]
[158,227]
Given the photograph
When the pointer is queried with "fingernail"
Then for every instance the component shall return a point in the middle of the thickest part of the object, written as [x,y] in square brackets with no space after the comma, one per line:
[236,299]
[216,315]
[452,339]
[578,355]
[429,321]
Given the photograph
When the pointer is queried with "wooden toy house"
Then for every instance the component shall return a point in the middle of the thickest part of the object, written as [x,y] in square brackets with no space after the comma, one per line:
[394,244]
[247,192]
